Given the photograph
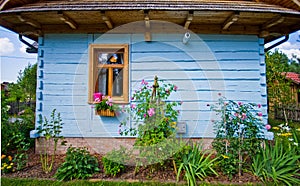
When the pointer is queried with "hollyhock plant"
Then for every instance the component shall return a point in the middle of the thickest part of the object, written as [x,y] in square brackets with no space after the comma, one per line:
[145,107]
[153,120]
[239,132]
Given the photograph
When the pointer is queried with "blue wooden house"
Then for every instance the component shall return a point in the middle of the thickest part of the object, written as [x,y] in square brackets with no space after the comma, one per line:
[206,48]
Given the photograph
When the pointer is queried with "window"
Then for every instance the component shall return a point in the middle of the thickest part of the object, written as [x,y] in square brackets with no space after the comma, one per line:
[109,71]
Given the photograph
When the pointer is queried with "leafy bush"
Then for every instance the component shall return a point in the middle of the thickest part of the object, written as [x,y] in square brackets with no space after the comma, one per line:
[195,164]
[239,133]
[15,137]
[79,164]
[274,163]
[113,162]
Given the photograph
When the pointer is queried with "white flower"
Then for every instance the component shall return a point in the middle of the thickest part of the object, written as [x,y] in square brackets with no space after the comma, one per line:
[291,139]
[296,144]
[286,128]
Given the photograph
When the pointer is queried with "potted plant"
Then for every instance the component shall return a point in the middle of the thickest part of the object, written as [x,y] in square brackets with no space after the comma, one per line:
[103,105]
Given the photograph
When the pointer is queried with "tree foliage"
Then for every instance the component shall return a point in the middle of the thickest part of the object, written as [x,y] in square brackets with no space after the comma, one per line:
[277,84]
[25,88]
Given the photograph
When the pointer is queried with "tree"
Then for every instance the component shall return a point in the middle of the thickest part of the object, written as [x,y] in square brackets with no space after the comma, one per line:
[278,86]
[25,88]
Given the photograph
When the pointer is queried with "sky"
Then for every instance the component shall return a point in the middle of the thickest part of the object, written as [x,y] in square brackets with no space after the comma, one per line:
[13,56]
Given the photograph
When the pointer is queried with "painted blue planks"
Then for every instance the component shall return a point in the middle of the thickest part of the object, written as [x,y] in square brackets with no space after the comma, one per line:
[209,64]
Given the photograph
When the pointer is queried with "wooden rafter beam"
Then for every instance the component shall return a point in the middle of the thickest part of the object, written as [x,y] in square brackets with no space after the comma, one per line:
[230,20]
[29,21]
[68,20]
[297,2]
[107,20]
[147,35]
[189,20]
[276,20]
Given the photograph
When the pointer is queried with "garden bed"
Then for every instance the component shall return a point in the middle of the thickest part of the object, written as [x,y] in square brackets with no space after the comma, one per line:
[164,174]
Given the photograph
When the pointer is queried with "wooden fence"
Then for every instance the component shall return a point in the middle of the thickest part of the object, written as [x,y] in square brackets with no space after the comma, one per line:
[17,107]
[291,112]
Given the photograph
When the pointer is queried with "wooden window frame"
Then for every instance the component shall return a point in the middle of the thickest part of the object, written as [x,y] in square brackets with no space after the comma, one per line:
[94,67]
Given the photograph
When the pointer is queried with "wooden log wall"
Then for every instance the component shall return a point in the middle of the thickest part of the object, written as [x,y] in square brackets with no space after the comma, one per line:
[206,66]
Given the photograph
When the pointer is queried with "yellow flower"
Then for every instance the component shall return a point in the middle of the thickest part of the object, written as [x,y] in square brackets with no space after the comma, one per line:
[275,128]
[9,167]
[298,129]
[3,156]
[285,134]
[2,168]
[225,157]
[9,158]
[11,164]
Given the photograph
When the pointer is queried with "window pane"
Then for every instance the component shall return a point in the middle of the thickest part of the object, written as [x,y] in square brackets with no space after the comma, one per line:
[109,57]
[102,58]
[117,82]
[102,82]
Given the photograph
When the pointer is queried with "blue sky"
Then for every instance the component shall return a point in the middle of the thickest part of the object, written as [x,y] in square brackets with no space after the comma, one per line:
[13,57]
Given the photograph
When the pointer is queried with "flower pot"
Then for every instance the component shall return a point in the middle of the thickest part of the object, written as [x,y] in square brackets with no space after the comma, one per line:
[106,112]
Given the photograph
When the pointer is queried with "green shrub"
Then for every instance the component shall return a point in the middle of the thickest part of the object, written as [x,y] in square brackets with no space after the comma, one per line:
[15,140]
[196,164]
[113,161]
[79,164]
[274,163]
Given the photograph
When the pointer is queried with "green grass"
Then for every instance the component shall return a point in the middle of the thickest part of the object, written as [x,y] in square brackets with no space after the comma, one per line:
[34,182]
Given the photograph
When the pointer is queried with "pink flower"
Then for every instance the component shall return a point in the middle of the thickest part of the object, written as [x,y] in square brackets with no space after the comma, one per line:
[236,114]
[167,91]
[151,112]
[97,100]
[259,114]
[244,116]
[240,103]
[144,82]
[175,88]
[119,131]
[98,96]
[268,127]
[258,105]
[219,94]
[133,106]
[145,115]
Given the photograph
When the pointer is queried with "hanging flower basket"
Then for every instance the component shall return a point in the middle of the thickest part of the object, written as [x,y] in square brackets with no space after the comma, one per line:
[106,112]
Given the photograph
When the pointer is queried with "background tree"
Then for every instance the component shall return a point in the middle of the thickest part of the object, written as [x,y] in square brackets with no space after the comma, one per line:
[25,88]
[278,86]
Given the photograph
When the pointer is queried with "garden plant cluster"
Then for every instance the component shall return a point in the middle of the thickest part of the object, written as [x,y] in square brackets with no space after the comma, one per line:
[239,147]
